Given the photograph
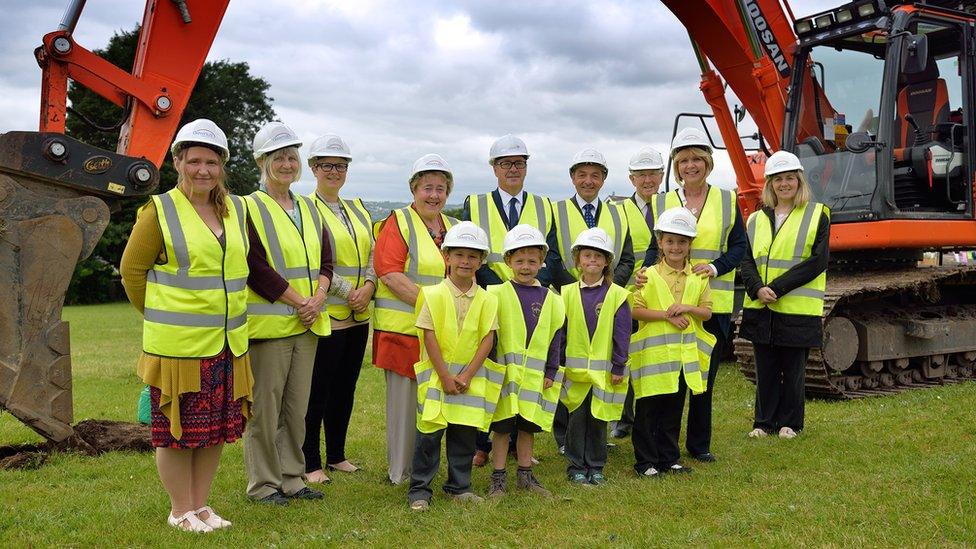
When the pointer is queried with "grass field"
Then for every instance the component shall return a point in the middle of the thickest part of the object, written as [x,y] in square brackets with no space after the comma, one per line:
[892,471]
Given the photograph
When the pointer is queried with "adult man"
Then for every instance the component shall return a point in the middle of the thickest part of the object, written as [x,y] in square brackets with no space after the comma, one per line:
[574,215]
[646,173]
[496,213]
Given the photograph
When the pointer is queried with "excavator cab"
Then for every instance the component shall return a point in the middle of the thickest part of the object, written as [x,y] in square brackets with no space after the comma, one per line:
[881,108]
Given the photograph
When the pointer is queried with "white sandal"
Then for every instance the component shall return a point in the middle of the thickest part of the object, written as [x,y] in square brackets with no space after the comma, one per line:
[213,520]
[757,433]
[786,432]
[194,524]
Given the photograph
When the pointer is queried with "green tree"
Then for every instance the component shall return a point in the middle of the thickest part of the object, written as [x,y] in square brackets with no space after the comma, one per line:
[225,92]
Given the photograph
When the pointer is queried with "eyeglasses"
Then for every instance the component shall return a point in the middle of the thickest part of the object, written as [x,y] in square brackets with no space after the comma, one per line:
[508,164]
[328,167]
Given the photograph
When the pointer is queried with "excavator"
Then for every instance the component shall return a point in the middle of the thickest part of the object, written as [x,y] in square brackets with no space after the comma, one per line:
[877,100]
[56,193]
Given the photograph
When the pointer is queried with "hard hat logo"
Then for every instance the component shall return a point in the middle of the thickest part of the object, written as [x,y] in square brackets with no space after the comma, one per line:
[202,132]
[280,137]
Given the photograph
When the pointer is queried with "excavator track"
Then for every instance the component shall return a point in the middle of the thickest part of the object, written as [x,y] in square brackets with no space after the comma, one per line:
[889,330]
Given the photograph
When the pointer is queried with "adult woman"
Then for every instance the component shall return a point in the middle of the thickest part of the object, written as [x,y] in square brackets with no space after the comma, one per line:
[292,264]
[407,258]
[340,355]
[185,268]
[784,273]
[715,253]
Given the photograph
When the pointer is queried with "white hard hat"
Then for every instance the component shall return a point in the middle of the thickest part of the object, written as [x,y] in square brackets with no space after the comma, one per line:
[690,137]
[782,161]
[677,221]
[273,136]
[202,131]
[646,159]
[594,238]
[507,145]
[329,145]
[524,236]
[430,163]
[466,234]
[589,156]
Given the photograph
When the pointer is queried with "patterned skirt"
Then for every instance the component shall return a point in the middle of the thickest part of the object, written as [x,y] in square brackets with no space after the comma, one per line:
[208,417]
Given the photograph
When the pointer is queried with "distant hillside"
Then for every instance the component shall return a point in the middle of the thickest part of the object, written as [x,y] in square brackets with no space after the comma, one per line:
[381,209]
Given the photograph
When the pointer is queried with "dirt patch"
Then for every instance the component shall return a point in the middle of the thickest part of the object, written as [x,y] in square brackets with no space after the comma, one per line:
[92,437]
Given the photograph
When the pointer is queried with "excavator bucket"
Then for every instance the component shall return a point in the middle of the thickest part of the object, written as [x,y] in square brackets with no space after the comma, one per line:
[49,221]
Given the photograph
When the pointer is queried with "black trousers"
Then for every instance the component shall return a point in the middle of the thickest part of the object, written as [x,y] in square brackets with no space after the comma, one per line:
[338,360]
[427,460]
[586,440]
[627,419]
[559,421]
[779,386]
[699,439]
[657,426]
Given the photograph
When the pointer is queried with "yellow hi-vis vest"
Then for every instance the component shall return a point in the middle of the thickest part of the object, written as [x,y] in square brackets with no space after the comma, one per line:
[350,250]
[714,227]
[295,256]
[476,406]
[777,253]
[640,236]
[536,211]
[660,352]
[588,360]
[523,391]
[424,267]
[196,302]
[570,223]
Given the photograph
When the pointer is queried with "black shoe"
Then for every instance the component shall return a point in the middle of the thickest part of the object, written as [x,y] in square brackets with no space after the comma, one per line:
[307,493]
[676,469]
[620,432]
[275,498]
[707,457]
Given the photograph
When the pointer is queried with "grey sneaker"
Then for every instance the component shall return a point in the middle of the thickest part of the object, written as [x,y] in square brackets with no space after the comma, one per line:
[497,483]
[468,497]
[527,481]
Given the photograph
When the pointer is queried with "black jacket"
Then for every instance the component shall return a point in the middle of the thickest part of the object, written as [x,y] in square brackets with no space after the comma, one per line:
[765,326]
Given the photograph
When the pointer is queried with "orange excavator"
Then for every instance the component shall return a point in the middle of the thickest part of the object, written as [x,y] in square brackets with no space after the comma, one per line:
[56,193]
[877,99]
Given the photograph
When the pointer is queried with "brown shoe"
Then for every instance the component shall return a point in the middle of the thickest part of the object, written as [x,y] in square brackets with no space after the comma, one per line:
[497,484]
[480,458]
[527,481]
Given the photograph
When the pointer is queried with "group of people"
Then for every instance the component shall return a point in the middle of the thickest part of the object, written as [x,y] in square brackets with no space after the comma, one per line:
[525,316]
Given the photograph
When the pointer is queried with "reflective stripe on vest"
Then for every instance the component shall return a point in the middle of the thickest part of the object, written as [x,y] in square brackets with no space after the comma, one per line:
[714,227]
[295,255]
[536,211]
[350,250]
[424,267]
[588,360]
[523,391]
[570,223]
[476,406]
[196,302]
[777,253]
[659,352]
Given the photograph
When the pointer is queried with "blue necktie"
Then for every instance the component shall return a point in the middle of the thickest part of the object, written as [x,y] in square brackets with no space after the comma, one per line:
[513,213]
[648,215]
[588,216]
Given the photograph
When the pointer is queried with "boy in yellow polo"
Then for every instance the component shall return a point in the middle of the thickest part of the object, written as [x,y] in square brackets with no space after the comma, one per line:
[457,386]
[670,350]
[530,336]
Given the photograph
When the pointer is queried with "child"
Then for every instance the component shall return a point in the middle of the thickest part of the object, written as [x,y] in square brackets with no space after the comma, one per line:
[457,388]
[530,336]
[597,337]
[670,350]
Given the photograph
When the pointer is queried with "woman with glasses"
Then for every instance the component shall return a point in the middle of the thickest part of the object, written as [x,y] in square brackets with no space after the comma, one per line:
[339,355]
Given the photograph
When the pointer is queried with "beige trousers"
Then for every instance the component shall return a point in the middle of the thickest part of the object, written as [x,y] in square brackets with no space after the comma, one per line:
[401,425]
[273,439]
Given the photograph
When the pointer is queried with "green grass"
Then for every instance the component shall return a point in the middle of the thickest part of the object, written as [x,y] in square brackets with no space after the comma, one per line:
[890,471]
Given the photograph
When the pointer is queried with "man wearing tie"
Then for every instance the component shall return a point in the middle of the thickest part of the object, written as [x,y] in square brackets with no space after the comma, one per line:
[574,215]
[646,174]
[496,213]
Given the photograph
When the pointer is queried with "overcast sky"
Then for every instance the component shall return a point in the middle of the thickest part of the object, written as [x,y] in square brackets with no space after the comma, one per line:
[400,79]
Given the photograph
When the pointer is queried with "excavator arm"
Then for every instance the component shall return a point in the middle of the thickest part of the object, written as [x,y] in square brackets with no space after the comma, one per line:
[56,192]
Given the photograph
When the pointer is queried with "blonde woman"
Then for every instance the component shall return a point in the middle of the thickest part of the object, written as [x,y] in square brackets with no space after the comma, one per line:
[785,279]
[185,269]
